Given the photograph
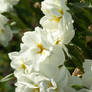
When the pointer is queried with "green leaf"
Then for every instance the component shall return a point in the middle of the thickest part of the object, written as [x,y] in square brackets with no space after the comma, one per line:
[78,87]
[7,78]
[77,58]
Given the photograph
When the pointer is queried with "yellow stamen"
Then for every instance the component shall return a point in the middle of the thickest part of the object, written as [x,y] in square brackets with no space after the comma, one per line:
[57,19]
[50,84]
[23,66]
[57,42]
[41,48]
[36,90]
[35,85]
[44,53]
[61,11]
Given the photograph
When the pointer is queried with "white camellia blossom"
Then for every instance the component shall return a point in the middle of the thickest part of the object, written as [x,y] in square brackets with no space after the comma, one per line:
[5,31]
[6,5]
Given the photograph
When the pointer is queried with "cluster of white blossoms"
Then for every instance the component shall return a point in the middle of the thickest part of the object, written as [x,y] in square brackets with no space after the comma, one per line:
[5,31]
[39,65]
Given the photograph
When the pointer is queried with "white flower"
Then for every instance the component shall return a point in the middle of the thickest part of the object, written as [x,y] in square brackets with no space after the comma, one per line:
[86,80]
[54,11]
[66,28]
[63,33]
[39,65]
[57,20]
[37,45]
[20,62]
[51,71]
[6,5]
[37,82]
[37,54]
[5,31]
[41,49]
[54,7]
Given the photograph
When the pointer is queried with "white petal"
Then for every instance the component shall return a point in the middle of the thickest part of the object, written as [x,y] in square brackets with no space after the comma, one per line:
[87,65]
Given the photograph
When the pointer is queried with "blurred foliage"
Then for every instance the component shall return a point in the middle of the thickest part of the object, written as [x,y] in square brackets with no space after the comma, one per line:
[26,16]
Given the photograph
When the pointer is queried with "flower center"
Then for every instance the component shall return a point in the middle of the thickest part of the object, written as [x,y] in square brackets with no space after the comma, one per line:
[57,19]
[40,46]
[51,85]
[36,90]
[61,11]
[57,42]
[22,66]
